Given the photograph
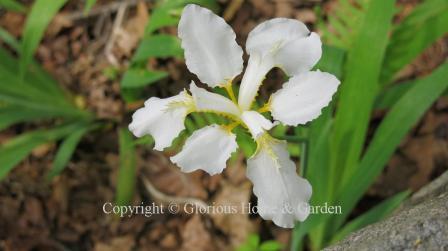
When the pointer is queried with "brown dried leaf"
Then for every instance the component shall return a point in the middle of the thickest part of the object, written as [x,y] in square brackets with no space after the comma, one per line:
[235,224]
[167,178]
[123,243]
[195,237]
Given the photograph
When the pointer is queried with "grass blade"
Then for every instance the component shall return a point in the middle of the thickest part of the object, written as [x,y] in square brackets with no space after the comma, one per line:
[88,6]
[167,13]
[413,35]
[15,150]
[134,77]
[360,85]
[128,165]
[318,171]
[37,21]
[332,60]
[391,94]
[9,39]
[10,115]
[12,5]
[400,119]
[158,46]
[65,152]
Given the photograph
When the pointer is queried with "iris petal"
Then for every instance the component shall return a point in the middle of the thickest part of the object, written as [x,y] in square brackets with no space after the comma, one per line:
[163,119]
[303,97]
[279,42]
[207,149]
[211,51]
[282,194]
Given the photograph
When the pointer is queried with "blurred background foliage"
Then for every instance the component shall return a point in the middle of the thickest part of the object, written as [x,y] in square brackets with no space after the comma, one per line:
[366,45]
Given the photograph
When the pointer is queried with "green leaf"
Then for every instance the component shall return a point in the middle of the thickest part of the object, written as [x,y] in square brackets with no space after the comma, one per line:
[15,150]
[332,60]
[245,247]
[88,6]
[426,23]
[251,243]
[245,142]
[318,169]
[253,240]
[128,165]
[211,118]
[167,13]
[12,5]
[158,46]
[344,23]
[198,119]
[145,140]
[397,123]
[389,96]
[270,246]
[10,115]
[33,95]
[9,39]
[65,152]
[135,77]
[375,214]
[356,96]
[360,86]
[37,85]
[36,23]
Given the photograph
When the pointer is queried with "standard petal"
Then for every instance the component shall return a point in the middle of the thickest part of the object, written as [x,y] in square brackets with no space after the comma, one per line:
[211,51]
[163,119]
[303,97]
[273,34]
[256,123]
[282,194]
[256,70]
[279,42]
[209,101]
[208,149]
[299,55]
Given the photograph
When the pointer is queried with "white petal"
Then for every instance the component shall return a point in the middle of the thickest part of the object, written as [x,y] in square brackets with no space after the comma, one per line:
[256,70]
[209,101]
[273,34]
[279,42]
[163,119]
[208,149]
[211,51]
[299,55]
[303,97]
[282,194]
[256,123]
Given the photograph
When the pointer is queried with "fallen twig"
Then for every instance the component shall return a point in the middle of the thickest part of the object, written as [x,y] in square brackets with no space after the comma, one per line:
[102,10]
[158,195]
[116,29]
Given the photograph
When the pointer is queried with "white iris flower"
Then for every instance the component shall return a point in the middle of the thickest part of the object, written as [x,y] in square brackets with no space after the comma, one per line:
[212,53]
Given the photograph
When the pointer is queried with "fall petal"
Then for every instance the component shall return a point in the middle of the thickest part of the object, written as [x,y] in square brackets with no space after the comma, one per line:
[303,97]
[207,149]
[163,119]
[282,194]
